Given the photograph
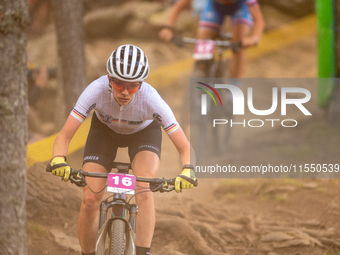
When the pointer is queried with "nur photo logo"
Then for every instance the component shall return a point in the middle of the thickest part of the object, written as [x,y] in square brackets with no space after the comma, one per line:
[288,96]
[204,97]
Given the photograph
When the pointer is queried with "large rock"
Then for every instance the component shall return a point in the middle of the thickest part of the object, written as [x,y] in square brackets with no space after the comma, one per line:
[128,19]
[136,19]
[48,197]
[108,22]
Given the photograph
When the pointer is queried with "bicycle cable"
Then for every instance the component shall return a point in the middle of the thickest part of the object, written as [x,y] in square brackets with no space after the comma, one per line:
[145,189]
[92,189]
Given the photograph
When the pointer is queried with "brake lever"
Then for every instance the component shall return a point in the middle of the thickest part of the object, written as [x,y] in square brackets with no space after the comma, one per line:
[155,187]
[169,190]
[78,180]
[166,188]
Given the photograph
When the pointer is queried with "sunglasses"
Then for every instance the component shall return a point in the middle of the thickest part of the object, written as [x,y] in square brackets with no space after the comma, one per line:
[120,86]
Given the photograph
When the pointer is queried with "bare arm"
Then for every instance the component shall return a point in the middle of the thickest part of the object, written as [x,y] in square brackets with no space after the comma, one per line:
[64,137]
[259,24]
[166,33]
[183,147]
[176,9]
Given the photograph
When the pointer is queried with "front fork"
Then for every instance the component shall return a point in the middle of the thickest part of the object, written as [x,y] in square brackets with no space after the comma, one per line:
[209,68]
[120,209]
[202,68]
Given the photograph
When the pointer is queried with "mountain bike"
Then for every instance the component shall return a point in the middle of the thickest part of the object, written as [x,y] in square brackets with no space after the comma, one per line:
[210,63]
[116,233]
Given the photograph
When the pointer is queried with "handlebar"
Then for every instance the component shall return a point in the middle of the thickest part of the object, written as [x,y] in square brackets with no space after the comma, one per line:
[181,41]
[156,184]
[139,179]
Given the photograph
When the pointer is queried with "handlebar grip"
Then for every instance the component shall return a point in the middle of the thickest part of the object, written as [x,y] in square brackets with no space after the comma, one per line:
[178,41]
[48,168]
[195,183]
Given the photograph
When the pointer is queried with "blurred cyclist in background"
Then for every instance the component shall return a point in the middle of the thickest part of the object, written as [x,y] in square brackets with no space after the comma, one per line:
[245,14]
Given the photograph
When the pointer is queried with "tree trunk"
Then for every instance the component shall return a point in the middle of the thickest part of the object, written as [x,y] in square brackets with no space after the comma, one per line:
[14,21]
[68,21]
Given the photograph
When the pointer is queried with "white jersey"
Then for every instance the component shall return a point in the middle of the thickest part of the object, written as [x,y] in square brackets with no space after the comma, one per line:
[146,106]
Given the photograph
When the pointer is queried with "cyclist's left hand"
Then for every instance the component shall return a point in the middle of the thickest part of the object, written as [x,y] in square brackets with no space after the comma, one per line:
[186,180]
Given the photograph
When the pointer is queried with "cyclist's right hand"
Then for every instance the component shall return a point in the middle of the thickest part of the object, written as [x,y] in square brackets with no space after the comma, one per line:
[166,34]
[60,168]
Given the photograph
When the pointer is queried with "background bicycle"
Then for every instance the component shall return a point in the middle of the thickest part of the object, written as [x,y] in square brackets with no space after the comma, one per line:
[116,233]
[211,63]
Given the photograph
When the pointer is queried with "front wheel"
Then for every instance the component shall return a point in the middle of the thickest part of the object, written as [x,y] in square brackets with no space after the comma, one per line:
[188,101]
[118,238]
[221,132]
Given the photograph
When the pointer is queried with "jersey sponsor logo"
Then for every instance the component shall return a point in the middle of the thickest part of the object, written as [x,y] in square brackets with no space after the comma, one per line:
[90,108]
[148,146]
[157,117]
[110,119]
[91,158]
[135,122]
[107,118]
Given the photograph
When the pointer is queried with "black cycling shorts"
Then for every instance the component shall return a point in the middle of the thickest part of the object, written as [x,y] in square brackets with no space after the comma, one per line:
[102,142]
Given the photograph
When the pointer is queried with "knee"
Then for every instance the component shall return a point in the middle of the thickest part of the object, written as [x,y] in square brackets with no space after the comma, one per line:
[144,198]
[91,201]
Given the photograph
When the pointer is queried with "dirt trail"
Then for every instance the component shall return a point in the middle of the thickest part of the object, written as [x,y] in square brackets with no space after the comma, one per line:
[261,216]
[223,216]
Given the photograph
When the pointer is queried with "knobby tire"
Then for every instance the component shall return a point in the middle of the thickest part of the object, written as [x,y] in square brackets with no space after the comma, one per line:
[118,238]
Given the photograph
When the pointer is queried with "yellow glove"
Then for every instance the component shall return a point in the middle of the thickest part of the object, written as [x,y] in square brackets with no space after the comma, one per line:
[186,180]
[60,168]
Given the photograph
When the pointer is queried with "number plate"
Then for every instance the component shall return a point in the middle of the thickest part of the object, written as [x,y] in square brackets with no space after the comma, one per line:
[204,50]
[121,183]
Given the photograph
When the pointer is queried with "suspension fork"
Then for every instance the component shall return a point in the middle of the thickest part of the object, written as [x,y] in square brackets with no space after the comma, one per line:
[118,205]
[119,209]
[202,67]
[219,64]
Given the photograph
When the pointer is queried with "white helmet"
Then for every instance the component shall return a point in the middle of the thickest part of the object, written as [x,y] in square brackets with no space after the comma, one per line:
[128,63]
